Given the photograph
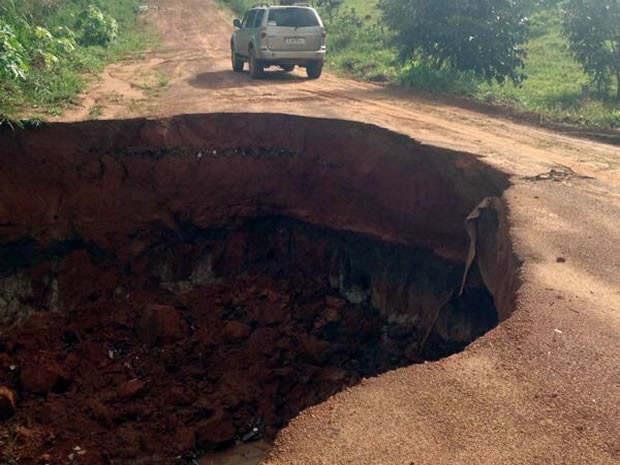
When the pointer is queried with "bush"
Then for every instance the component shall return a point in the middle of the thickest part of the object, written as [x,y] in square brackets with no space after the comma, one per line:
[593,30]
[485,37]
[13,58]
[47,45]
[97,28]
[344,29]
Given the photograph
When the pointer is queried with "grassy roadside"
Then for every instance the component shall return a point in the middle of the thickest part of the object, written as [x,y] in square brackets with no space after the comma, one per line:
[359,46]
[54,48]
[553,90]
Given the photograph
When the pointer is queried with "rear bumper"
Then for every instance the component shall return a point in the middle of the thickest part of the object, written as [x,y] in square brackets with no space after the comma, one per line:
[268,56]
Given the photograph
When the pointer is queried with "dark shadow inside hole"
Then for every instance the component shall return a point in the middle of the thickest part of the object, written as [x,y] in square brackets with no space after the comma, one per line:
[306,311]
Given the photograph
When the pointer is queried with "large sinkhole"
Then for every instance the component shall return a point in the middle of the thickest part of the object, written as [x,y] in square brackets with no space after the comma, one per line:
[191,283]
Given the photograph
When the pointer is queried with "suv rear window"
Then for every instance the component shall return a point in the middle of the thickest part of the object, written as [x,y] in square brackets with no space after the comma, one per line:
[292,17]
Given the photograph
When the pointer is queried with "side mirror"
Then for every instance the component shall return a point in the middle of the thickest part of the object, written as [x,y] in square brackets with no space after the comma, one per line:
[237,23]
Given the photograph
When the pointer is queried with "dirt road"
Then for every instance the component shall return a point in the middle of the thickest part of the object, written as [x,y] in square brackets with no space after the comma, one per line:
[542,388]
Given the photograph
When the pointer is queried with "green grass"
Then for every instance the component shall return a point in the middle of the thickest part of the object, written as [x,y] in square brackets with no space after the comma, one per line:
[238,6]
[95,112]
[554,79]
[364,8]
[553,88]
[47,89]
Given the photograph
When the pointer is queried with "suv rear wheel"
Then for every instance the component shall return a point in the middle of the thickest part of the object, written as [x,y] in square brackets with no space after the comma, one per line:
[313,70]
[237,63]
[256,69]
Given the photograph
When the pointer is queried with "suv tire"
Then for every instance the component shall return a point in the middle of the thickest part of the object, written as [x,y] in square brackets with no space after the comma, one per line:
[256,69]
[237,63]
[313,70]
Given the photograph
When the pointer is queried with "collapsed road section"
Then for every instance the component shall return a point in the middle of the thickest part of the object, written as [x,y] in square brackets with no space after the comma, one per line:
[181,285]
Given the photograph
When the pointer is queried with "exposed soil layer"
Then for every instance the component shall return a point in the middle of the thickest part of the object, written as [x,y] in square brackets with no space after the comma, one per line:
[181,285]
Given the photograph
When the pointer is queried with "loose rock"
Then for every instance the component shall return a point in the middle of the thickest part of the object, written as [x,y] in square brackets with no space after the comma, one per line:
[236,330]
[7,403]
[131,389]
[160,324]
[214,431]
[186,439]
[42,378]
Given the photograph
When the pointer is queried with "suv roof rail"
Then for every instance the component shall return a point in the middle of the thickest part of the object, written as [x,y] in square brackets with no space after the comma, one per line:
[294,3]
[258,5]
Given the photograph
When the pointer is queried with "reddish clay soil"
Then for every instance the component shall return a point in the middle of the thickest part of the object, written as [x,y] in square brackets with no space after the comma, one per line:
[542,387]
[129,381]
[187,289]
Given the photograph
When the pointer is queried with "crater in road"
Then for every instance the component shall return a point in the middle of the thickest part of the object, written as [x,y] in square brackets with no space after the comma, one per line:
[188,284]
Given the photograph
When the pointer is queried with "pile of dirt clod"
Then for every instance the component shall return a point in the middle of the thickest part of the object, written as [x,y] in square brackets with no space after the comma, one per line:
[221,339]
[150,374]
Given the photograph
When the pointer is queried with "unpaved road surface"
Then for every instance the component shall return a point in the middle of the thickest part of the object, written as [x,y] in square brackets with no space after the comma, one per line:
[543,387]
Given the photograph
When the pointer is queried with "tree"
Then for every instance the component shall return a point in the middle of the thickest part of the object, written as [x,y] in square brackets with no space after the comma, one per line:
[486,37]
[593,31]
[331,7]
[96,27]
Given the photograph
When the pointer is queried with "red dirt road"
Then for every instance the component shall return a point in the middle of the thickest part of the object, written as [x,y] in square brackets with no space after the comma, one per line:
[543,387]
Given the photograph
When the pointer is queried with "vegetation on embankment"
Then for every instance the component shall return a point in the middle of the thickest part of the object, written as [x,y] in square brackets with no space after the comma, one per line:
[49,48]
[556,87]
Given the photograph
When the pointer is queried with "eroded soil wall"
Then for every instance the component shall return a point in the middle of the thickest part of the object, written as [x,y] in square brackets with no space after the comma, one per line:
[180,284]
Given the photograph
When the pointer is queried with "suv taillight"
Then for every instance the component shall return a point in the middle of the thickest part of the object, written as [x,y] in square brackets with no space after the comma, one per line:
[263,34]
[323,34]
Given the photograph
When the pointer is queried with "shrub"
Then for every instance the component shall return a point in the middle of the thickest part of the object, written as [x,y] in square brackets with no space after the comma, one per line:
[96,28]
[485,37]
[593,30]
[13,59]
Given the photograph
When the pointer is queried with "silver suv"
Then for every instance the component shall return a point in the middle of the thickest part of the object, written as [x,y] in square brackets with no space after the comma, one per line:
[283,35]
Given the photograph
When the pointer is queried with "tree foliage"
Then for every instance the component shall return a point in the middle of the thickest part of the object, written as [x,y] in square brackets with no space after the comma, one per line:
[24,47]
[13,59]
[96,27]
[593,31]
[485,37]
[331,7]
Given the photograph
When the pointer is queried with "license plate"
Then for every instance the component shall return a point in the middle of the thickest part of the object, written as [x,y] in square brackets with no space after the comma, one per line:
[294,40]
